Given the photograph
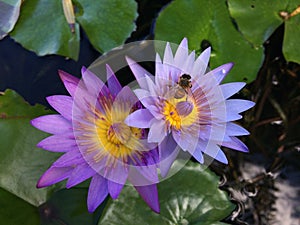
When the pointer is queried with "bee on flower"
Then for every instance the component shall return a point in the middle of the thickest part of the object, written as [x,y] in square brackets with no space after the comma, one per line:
[186,106]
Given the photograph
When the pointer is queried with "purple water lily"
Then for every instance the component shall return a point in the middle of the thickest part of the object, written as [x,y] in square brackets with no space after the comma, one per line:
[96,142]
[187,106]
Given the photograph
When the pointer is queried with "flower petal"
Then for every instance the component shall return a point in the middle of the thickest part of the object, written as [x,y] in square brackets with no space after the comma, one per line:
[150,195]
[182,52]
[233,129]
[220,72]
[54,175]
[114,188]
[168,151]
[112,81]
[62,104]
[97,192]
[238,105]
[201,63]
[58,143]
[235,144]
[69,159]
[80,173]
[94,85]
[69,81]
[139,72]
[140,118]
[53,124]
[230,89]
[215,152]
[157,131]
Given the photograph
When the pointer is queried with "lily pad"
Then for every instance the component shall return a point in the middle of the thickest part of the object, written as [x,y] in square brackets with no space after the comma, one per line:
[107,23]
[9,14]
[21,163]
[257,20]
[42,28]
[291,39]
[189,197]
[210,22]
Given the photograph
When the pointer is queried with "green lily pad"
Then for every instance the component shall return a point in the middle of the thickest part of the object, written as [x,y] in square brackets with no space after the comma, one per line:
[107,23]
[9,14]
[21,163]
[291,39]
[202,21]
[16,211]
[189,197]
[42,28]
[257,20]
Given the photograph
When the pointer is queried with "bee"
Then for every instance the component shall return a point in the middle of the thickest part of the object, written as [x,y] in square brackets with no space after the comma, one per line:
[183,87]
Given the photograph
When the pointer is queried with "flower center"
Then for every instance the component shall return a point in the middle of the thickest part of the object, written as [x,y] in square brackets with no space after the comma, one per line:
[171,115]
[180,112]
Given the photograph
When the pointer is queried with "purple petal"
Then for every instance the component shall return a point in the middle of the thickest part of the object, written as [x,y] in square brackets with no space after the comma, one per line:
[186,140]
[168,56]
[189,62]
[140,118]
[237,105]
[230,89]
[69,159]
[69,81]
[139,72]
[93,84]
[62,104]
[97,192]
[201,63]
[80,173]
[58,143]
[182,52]
[126,95]
[112,81]
[215,152]
[54,175]
[150,195]
[157,131]
[53,124]
[197,154]
[114,189]
[236,144]
[118,173]
[184,108]
[233,129]
[220,72]
[168,151]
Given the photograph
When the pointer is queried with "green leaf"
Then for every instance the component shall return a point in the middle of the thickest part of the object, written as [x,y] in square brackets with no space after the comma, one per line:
[9,13]
[257,20]
[247,14]
[21,163]
[42,28]
[291,39]
[107,23]
[189,197]
[16,211]
[201,20]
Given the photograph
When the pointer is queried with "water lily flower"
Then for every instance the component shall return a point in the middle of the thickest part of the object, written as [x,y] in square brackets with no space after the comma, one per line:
[96,143]
[186,106]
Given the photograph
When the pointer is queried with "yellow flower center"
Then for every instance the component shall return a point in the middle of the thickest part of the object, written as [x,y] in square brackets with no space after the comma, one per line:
[171,115]
[111,137]
[174,118]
